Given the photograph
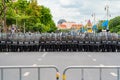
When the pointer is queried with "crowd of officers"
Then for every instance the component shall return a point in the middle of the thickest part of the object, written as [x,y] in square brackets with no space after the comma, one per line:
[63,41]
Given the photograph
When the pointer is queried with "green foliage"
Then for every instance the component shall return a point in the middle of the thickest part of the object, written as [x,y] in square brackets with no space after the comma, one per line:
[29,14]
[52,28]
[6,1]
[1,8]
[99,25]
[64,30]
[114,24]
[41,27]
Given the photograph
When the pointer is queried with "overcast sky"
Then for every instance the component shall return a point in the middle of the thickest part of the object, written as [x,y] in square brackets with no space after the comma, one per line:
[81,10]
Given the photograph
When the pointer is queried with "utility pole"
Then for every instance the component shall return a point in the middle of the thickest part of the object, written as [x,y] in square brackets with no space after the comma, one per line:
[4,17]
[94,21]
[94,18]
[107,13]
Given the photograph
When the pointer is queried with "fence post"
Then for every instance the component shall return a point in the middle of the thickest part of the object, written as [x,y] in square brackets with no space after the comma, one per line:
[118,73]
[38,73]
[20,74]
[82,74]
[2,74]
[100,74]
[64,76]
[57,75]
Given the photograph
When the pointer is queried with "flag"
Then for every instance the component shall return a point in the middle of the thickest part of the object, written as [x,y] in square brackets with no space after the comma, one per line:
[94,28]
[82,30]
[105,24]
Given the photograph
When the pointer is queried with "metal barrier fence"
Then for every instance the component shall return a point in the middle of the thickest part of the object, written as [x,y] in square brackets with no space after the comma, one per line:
[20,68]
[100,68]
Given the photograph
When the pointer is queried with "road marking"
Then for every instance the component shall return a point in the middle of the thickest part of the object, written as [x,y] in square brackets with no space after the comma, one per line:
[113,74]
[39,59]
[26,74]
[34,65]
[89,56]
[94,59]
[6,53]
[44,54]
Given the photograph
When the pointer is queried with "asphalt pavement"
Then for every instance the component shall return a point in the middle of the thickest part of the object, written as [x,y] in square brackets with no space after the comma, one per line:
[61,60]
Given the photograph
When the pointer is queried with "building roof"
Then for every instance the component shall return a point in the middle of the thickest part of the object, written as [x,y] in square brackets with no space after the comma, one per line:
[89,24]
[61,21]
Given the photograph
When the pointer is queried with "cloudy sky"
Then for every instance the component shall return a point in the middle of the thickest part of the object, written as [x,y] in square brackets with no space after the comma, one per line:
[81,10]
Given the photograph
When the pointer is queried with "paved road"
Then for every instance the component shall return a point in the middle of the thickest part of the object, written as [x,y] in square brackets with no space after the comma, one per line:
[61,60]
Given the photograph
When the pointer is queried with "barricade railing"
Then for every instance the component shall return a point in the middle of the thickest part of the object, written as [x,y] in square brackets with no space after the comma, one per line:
[20,68]
[100,68]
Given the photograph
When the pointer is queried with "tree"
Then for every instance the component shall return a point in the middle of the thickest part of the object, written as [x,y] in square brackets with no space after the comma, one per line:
[99,25]
[46,19]
[118,29]
[29,16]
[1,8]
[53,28]
[114,24]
